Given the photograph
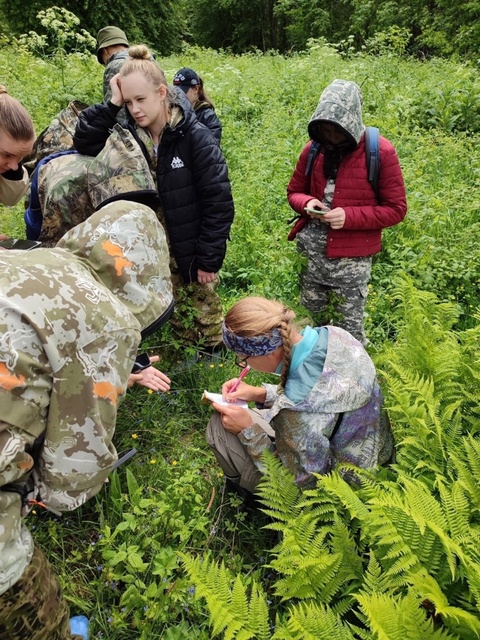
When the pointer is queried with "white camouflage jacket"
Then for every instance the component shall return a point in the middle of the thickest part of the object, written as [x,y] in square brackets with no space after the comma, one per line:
[70,324]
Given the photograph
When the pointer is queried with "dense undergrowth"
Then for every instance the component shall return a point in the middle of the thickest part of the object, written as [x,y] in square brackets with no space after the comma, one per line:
[163,551]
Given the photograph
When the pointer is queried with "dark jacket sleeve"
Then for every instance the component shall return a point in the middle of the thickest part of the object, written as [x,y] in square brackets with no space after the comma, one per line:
[94,127]
[209,118]
[215,199]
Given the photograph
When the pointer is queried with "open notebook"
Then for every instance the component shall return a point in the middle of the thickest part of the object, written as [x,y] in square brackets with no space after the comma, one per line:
[208,398]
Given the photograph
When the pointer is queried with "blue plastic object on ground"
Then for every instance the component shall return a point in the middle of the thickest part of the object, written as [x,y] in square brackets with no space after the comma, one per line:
[79,626]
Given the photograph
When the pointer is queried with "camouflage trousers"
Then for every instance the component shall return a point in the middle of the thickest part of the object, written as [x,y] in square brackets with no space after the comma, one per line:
[34,608]
[334,291]
[198,314]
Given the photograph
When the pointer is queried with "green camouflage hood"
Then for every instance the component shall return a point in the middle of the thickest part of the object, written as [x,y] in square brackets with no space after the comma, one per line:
[57,136]
[340,104]
[72,187]
[126,249]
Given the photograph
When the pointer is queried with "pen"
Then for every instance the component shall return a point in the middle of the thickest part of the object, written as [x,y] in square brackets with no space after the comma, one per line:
[240,378]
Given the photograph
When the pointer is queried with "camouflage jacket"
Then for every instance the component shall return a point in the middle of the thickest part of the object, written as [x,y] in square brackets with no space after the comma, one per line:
[11,191]
[337,418]
[113,66]
[70,324]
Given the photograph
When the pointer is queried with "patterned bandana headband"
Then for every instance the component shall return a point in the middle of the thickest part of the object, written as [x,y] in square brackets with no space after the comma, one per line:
[254,346]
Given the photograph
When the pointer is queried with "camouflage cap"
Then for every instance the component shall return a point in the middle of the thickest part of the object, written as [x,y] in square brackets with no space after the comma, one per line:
[120,171]
[109,37]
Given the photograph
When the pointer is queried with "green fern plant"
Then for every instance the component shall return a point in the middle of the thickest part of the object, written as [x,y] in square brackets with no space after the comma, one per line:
[310,621]
[237,611]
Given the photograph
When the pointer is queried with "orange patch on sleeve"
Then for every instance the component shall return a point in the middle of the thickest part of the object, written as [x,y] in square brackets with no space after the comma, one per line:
[107,391]
[9,381]
[26,464]
[116,252]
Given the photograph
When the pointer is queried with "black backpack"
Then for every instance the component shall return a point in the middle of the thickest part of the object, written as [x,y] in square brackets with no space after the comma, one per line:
[372,154]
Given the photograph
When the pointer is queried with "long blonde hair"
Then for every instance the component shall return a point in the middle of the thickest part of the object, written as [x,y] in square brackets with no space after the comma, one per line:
[141,60]
[256,316]
[15,120]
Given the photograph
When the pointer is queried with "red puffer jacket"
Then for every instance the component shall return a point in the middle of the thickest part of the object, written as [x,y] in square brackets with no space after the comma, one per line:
[361,234]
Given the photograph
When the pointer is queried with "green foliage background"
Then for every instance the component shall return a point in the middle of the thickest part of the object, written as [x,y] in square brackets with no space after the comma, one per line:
[397,556]
[422,28]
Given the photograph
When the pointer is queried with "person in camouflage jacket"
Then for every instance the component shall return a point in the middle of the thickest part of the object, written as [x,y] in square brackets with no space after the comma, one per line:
[71,319]
[326,411]
[112,53]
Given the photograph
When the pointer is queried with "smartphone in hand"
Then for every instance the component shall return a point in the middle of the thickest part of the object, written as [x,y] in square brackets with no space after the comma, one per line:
[14,243]
[142,361]
[318,212]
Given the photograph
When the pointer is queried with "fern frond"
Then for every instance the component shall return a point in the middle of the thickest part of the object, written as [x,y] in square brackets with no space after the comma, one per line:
[308,621]
[398,618]
[427,588]
[335,485]
[258,614]
[466,463]
[277,490]
[375,580]
[230,610]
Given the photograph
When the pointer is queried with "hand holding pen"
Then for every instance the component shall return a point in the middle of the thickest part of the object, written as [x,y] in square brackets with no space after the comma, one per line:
[242,375]
[232,386]
[242,391]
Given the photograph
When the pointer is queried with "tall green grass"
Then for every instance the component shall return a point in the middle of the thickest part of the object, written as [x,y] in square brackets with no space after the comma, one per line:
[117,556]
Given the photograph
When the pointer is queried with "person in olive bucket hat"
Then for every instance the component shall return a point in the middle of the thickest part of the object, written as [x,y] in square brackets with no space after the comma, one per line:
[112,51]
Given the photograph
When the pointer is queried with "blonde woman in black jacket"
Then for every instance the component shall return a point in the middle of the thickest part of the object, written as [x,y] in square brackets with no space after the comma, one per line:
[191,174]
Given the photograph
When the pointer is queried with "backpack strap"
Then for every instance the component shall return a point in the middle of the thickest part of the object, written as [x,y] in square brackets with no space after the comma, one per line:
[372,153]
[312,154]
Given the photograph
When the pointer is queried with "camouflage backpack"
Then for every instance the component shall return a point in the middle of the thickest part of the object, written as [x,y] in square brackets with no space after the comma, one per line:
[58,136]
[72,186]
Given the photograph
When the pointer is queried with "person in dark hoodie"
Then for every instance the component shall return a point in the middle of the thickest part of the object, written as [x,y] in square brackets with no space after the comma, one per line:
[71,319]
[345,219]
[192,85]
[191,175]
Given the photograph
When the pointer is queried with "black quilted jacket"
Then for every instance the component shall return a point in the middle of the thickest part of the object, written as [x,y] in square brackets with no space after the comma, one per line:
[193,185]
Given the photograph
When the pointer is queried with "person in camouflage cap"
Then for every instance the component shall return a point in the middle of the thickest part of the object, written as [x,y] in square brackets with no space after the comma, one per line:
[340,239]
[112,52]
[71,319]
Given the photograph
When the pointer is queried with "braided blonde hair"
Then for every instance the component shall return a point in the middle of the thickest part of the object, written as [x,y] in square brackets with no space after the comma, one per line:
[15,120]
[256,316]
